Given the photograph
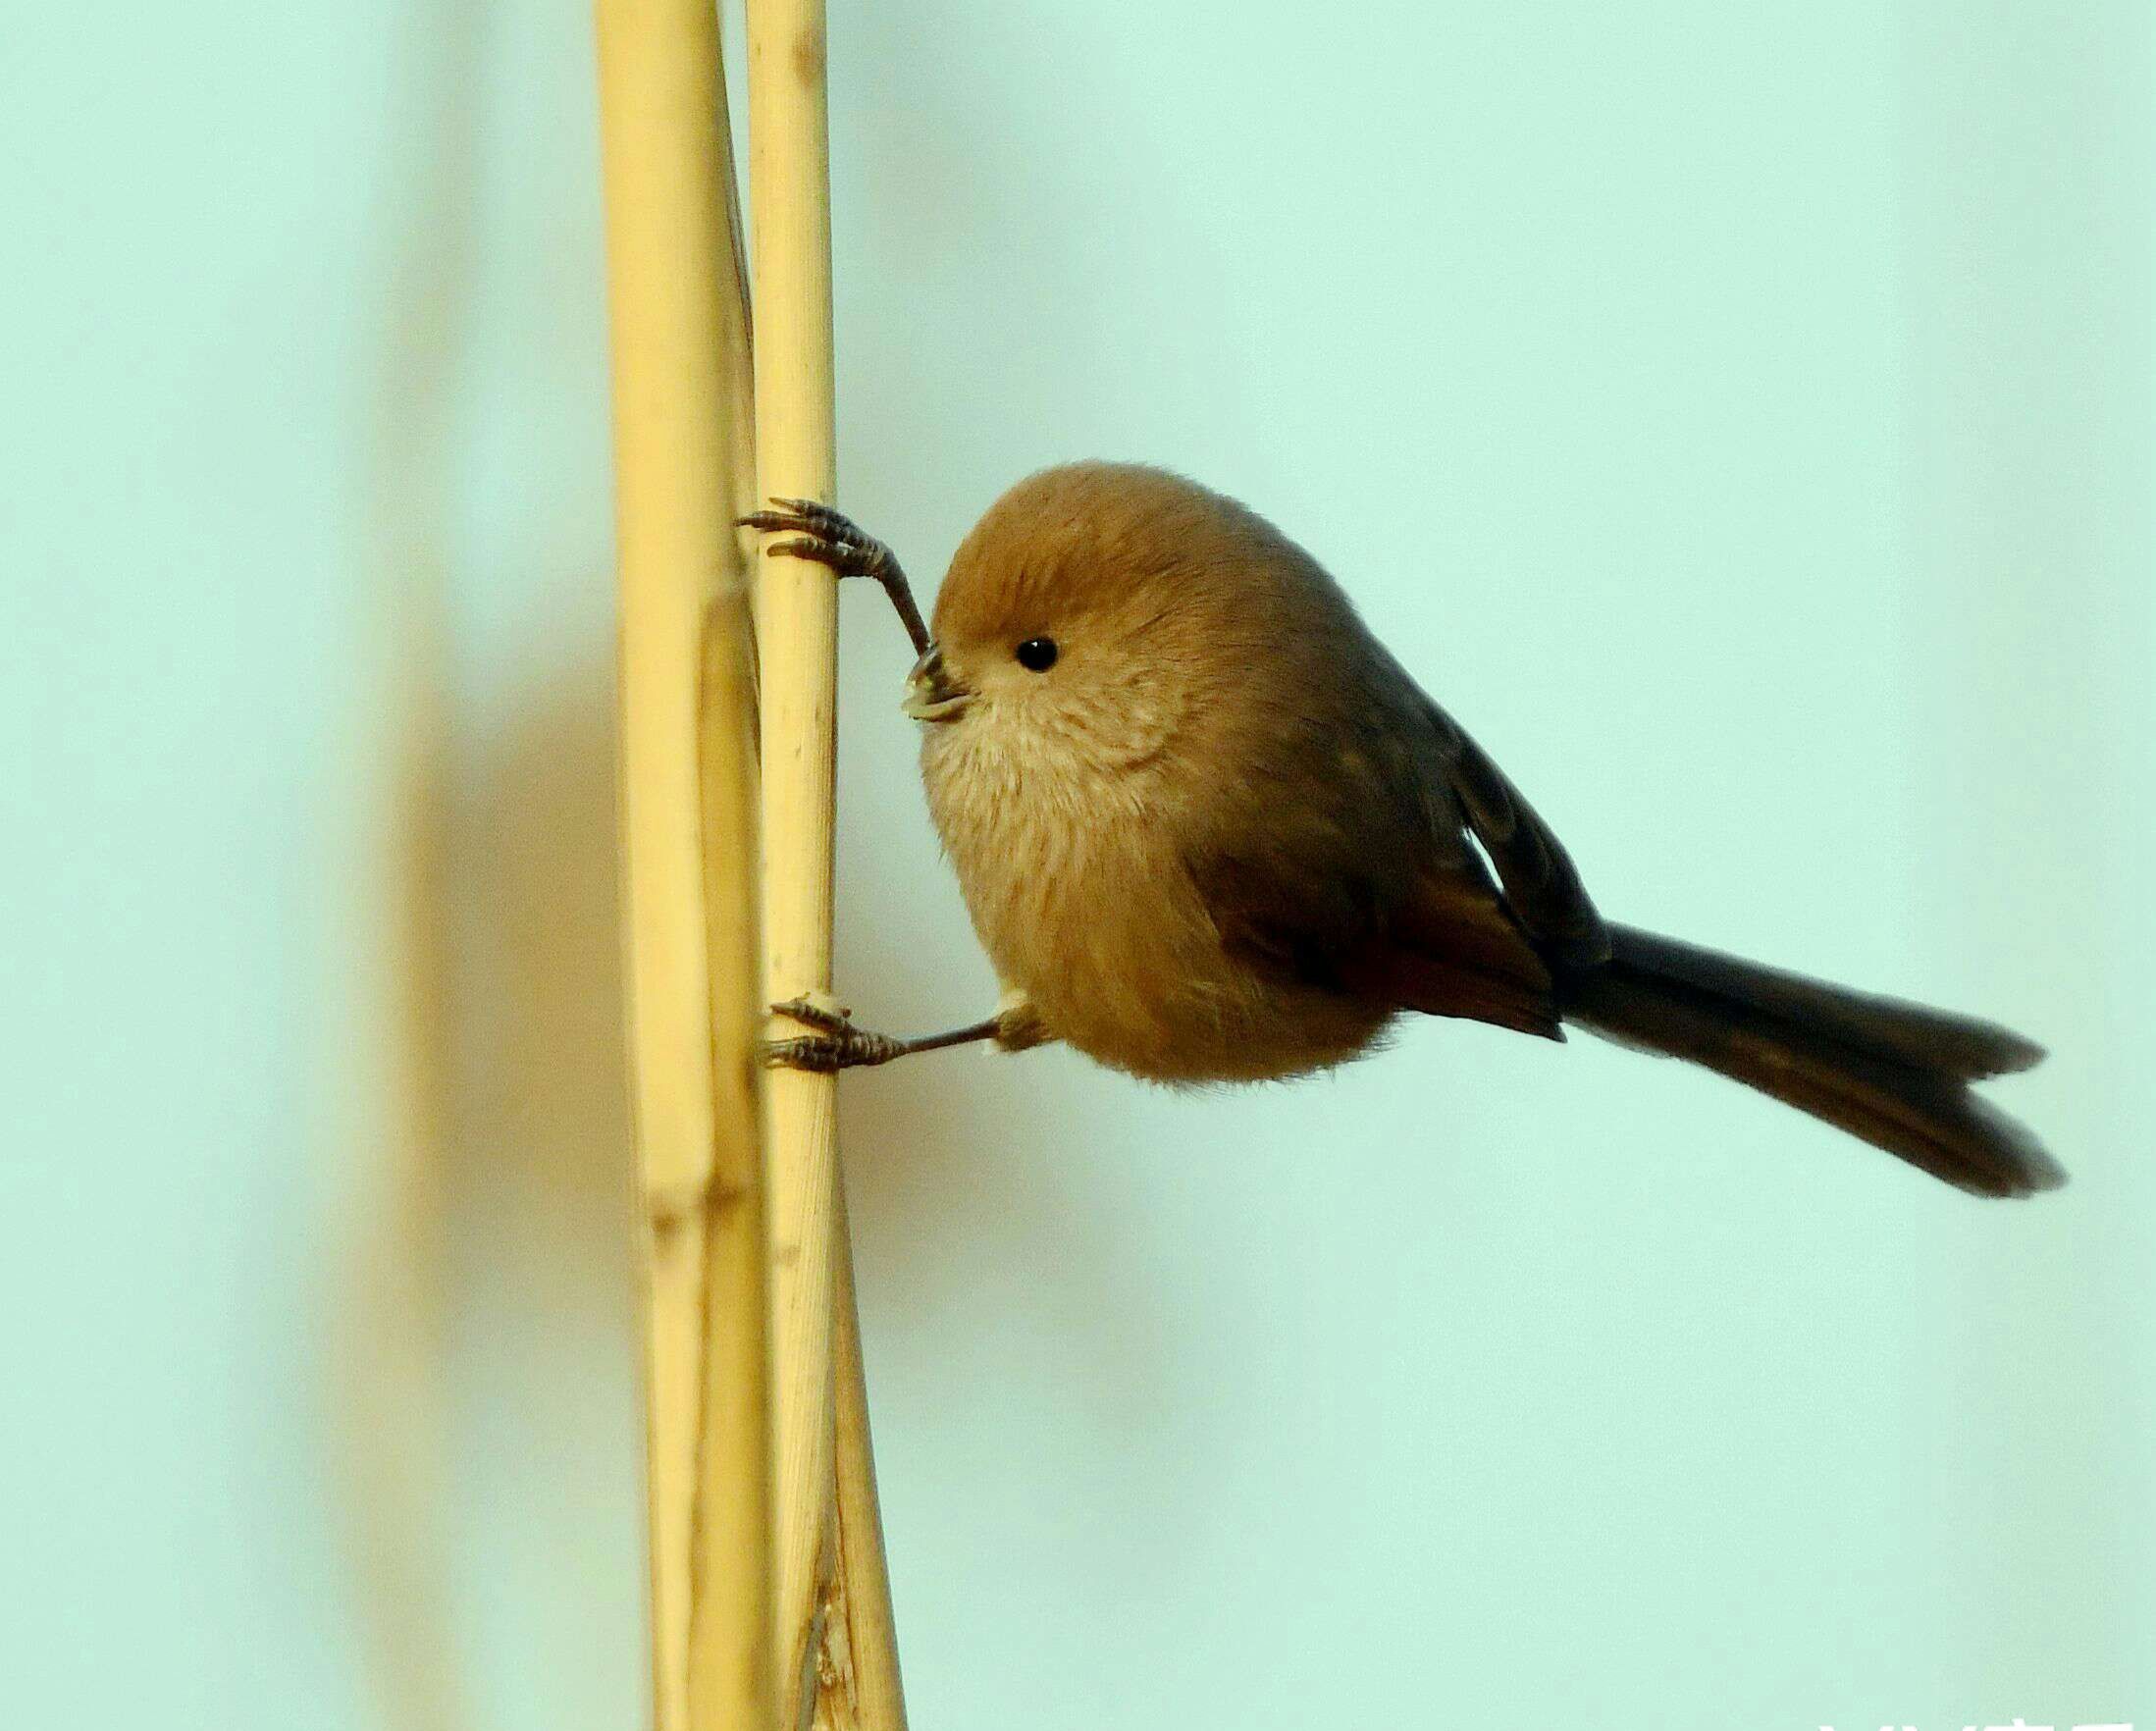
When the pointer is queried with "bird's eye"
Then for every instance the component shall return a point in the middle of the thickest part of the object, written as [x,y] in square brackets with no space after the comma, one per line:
[1038,654]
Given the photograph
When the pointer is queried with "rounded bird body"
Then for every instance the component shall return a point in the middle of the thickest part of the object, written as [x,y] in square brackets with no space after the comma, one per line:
[1222,836]
[1194,725]
[1208,829]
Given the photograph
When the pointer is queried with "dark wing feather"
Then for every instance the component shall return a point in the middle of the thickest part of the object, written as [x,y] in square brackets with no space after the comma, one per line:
[1455,950]
[1448,948]
[1366,883]
[1541,886]
[1401,911]
[1297,929]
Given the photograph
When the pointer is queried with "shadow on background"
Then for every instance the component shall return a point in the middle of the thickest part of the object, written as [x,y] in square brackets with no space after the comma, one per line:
[483,1367]
[485,1351]
[487,1357]
[482,1412]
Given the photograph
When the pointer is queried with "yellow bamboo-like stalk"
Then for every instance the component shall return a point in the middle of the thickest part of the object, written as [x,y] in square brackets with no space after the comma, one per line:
[864,1692]
[688,822]
[836,1660]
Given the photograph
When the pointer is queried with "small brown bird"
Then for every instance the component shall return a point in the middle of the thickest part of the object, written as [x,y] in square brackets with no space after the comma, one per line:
[1210,830]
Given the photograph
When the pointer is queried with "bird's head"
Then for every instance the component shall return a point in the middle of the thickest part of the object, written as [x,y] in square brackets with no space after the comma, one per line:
[1088,612]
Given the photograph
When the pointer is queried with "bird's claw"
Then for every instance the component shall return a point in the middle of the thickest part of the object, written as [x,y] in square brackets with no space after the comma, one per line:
[827,537]
[836,1046]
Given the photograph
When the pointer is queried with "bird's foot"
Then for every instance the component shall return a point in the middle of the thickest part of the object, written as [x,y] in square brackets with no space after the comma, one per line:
[836,1046]
[833,540]
[827,537]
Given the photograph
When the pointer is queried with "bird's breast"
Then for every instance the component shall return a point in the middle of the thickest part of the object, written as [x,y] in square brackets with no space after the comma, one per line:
[1077,887]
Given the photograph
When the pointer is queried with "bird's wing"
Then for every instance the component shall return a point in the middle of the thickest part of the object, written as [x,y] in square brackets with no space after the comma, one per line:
[1294,898]
[1446,947]
[1365,883]
[1541,886]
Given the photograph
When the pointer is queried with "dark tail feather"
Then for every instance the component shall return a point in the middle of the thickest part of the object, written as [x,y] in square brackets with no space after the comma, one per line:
[1894,1074]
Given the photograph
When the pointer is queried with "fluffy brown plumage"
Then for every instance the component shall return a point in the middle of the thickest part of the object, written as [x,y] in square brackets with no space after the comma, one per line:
[1212,831]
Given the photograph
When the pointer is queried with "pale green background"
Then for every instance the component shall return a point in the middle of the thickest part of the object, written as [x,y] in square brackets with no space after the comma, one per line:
[1768,390]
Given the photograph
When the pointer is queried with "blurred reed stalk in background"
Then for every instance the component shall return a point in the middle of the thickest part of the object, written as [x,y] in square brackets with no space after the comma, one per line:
[769,1602]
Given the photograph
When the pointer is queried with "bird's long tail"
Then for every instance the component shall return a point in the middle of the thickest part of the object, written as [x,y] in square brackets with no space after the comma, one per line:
[1894,1074]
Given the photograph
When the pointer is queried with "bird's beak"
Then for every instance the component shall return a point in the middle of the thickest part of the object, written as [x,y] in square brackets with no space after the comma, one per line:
[930,694]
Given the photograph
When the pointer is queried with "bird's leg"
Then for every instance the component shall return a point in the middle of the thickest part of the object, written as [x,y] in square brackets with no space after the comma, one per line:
[839,1045]
[831,539]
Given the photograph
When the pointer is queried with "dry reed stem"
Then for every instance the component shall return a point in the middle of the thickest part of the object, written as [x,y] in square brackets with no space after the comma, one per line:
[870,1695]
[682,464]
[836,1660]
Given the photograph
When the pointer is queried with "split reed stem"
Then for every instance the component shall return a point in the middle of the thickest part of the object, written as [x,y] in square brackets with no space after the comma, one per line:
[683,471]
